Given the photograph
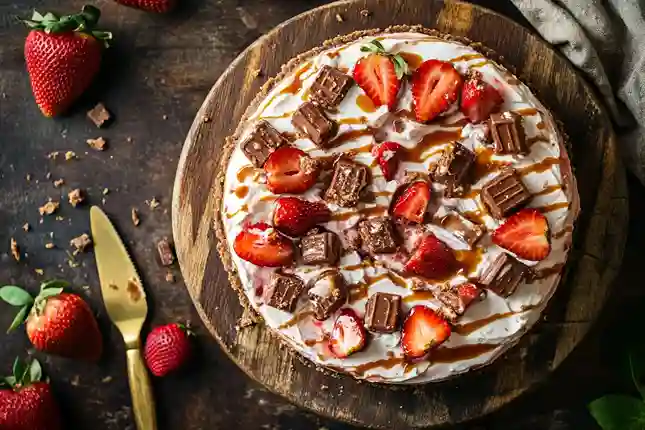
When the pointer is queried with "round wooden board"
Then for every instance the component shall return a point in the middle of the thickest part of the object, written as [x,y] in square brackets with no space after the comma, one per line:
[598,245]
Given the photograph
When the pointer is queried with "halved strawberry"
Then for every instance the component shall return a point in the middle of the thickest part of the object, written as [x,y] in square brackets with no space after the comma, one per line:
[412,204]
[423,330]
[290,170]
[348,334]
[262,245]
[376,75]
[525,234]
[435,86]
[478,99]
[432,259]
[294,216]
[388,156]
[469,293]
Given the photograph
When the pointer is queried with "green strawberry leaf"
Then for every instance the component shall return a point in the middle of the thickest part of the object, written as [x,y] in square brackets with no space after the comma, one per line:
[49,292]
[378,45]
[15,296]
[54,283]
[18,369]
[19,319]
[10,381]
[618,412]
[35,371]
[36,16]
[91,14]
[49,17]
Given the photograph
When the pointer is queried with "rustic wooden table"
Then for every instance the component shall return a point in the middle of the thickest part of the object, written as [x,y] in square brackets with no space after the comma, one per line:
[155,78]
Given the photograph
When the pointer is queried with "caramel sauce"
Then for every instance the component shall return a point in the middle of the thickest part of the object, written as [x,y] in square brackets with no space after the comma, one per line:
[459,353]
[397,279]
[548,190]
[541,125]
[480,64]
[418,295]
[431,140]
[382,194]
[385,363]
[474,216]
[548,271]
[343,69]
[244,208]
[333,54]
[268,198]
[432,153]
[360,150]
[553,207]
[466,57]
[466,328]
[245,172]
[283,115]
[349,135]
[358,291]
[365,103]
[562,232]
[539,167]
[485,165]
[513,81]
[296,84]
[526,111]
[533,140]
[468,260]
[367,212]
[296,319]
[241,191]
[371,280]
[354,266]
[359,120]
[413,60]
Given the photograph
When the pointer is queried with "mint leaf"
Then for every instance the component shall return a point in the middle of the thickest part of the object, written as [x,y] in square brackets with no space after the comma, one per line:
[19,319]
[15,296]
[618,412]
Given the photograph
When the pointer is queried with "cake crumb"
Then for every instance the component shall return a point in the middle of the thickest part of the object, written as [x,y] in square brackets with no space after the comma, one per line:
[81,243]
[40,272]
[366,13]
[128,139]
[26,226]
[53,155]
[49,208]
[99,143]
[28,177]
[75,197]
[59,182]
[257,73]
[135,217]
[48,175]
[99,115]
[70,155]
[154,203]
[206,119]
[164,117]
[339,17]
[49,245]
[106,191]
[15,250]
[170,277]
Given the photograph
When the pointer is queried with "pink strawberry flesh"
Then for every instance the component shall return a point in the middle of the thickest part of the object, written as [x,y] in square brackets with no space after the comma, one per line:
[412,204]
[294,216]
[432,259]
[525,234]
[376,75]
[263,246]
[388,156]
[479,99]
[435,87]
[348,334]
[423,330]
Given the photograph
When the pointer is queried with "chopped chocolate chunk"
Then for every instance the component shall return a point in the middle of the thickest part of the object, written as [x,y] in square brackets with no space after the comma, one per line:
[347,183]
[382,312]
[508,133]
[462,228]
[311,120]
[320,248]
[504,193]
[166,256]
[49,208]
[377,235]
[504,275]
[261,142]
[453,168]
[15,250]
[330,87]
[351,239]
[456,299]
[81,243]
[283,291]
[75,197]
[327,293]
[99,143]
[99,115]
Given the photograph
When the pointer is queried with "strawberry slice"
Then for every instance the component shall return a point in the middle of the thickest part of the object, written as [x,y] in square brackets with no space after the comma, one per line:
[435,86]
[388,156]
[262,245]
[412,204]
[469,293]
[423,330]
[432,259]
[376,75]
[348,334]
[290,170]
[478,99]
[294,216]
[525,234]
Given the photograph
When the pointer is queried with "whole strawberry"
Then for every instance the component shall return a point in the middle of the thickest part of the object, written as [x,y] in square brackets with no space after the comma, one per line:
[26,403]
[159,6]
[63,54]
[56,322]
[167,348]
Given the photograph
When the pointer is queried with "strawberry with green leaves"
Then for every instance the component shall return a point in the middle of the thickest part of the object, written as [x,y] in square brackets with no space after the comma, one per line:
[63,55]
[56,322]
[167,348]
[26,402]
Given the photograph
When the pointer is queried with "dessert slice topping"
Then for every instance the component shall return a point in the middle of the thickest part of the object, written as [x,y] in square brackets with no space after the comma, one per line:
[262,245]
[423,330]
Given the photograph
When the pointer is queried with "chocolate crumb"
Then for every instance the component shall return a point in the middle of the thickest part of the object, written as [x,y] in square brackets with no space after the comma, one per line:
[70,155]
[59,182]
[99,143]
[135,217]
[166,256]
[75,197]
[339,17]
[99,115]
[26,226]
[49,208]
[15,250]
[81,243]
[170,277]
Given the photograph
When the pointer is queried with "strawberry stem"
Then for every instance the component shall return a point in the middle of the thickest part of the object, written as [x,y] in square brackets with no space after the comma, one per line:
[18,297]
[400,65]
[83,22]
[24,373]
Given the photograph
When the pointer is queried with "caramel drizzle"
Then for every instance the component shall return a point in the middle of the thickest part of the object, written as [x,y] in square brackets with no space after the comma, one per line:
[296,319]
[241,191]
[245,172]
[429,141]
[541,125]
[485,165]
[296,84]
[513,81]
[526,111]
[385,363]
[468,260]
[538,138]
[539,167]
[466,328]
[460,353]
[350,135]
[414,60]
[358,291]
[242,209]
[466,57]
[553,207]
[371,211]
[283,115]
[548,190]
[365,104]
[547,271]
[480,64]
[360,120]
[418,295]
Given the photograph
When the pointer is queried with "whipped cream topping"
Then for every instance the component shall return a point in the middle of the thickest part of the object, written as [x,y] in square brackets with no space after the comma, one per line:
[488,327]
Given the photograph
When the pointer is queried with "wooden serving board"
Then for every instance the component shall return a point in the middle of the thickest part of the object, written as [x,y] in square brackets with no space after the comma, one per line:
[598,246]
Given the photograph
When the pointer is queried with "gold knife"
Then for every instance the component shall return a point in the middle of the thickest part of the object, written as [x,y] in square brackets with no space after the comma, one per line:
[125,302]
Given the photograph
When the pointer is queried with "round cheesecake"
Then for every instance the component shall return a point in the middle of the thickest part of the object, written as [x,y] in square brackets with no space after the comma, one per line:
[397,206]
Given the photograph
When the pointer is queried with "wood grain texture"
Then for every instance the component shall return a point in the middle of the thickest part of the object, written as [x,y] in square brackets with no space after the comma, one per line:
[598,245]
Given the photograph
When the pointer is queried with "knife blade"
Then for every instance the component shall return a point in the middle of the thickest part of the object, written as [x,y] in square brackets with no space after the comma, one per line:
[127,307]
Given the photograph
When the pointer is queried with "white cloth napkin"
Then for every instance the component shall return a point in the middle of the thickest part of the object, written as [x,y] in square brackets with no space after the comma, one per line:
[606,40]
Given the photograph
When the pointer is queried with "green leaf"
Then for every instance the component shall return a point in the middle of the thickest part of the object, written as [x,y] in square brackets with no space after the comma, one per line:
[378,45]
[19,319]
[54,283]
[49,292]
[18,368]
[15,296]
[35,371]
[400,63]
[91,14]
[10,380]
[618,412]
[36,16]
[50,17]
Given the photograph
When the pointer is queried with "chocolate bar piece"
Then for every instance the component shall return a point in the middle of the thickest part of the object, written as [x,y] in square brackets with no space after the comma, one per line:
[327,293]
[377,235]
[453,168]
[99,115]
[504,193]
[351,239]
[347,183]
[456,299]
[320,248]
[508,133]
[462,228]
[504,275]
[311,120]
[261,142]
[166,256]
[283,291]
[382,312]
[330,87]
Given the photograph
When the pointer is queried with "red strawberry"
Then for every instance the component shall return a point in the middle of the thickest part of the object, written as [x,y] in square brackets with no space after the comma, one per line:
[478,99]
[348,334]
[435,86]
[167,348]
[468,293]
[376,75]
[388,156]
[432,259]
[56,322]
[262,245]
[290,170]
[525,234]
[294,216]
[423,330]
[160,6]
[412,204]
[63,55]
[25,402]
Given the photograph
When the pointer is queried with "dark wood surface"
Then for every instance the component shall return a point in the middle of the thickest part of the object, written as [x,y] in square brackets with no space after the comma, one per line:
[164,66]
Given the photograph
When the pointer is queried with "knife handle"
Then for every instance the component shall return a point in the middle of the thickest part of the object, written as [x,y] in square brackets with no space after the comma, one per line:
[143,401]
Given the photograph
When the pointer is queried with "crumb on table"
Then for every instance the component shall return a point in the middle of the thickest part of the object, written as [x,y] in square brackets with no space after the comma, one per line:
[15,250]
[70,155]
[75,197]
[135,217]
[59,182]
[99,143]
[49,208]
[81,243]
